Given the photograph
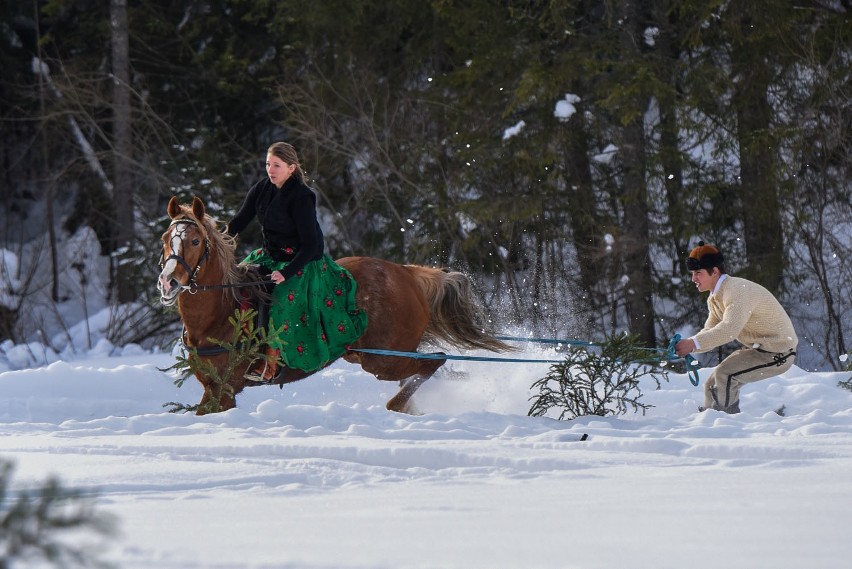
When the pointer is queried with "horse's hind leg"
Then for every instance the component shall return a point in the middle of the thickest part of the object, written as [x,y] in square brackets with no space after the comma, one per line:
[401,402]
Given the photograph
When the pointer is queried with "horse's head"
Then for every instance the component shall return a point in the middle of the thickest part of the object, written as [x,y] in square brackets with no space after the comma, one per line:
[186,247]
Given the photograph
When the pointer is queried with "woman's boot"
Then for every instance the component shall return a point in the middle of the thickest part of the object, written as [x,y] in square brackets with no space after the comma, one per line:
[267,368]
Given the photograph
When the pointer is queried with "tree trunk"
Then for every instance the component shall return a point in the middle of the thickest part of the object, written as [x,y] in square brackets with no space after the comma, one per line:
[582,202]
[635,238]
[123,194]
[48,194]
[758,180]
[671,157]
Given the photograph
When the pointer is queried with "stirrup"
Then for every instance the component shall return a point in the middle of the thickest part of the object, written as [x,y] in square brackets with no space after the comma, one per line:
[255,372]
[270,368]
[254,375]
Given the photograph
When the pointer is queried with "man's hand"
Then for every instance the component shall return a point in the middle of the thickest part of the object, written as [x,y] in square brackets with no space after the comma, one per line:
[277,277]
[684,347]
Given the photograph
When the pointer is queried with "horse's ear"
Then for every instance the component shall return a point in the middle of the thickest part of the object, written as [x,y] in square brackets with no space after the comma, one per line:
[174,207]
[197,207]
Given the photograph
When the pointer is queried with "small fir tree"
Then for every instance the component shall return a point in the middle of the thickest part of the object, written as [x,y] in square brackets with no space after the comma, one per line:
[590,383]
[244,348]
[42,527]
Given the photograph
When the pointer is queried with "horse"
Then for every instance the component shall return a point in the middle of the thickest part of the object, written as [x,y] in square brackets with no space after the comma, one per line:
[405,304]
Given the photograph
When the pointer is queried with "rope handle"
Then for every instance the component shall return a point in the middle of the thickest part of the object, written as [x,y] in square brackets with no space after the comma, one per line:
[692,364]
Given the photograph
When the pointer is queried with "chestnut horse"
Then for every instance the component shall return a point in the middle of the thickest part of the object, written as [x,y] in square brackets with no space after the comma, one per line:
[404,304]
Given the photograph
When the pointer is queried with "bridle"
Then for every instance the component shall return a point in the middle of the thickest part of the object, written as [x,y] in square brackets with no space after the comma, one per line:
[191,285]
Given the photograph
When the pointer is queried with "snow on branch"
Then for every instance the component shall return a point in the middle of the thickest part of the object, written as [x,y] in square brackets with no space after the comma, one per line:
[39,67]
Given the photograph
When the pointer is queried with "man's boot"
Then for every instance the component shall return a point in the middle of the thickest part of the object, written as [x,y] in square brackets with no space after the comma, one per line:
[730,410]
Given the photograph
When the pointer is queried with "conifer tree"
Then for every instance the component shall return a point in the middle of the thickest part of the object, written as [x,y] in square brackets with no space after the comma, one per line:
[34,523]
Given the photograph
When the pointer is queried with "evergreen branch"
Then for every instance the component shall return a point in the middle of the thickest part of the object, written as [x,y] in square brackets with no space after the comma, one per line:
[588,383]
[243,348]
[33,522]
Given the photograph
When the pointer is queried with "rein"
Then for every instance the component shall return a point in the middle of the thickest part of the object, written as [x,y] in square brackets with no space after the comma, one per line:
[194,287]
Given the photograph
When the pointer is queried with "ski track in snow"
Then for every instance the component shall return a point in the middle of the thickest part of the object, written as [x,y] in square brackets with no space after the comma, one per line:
[99,425]
[324,445]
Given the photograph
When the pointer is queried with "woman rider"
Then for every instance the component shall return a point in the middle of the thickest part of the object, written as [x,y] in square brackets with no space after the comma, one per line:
[313,301]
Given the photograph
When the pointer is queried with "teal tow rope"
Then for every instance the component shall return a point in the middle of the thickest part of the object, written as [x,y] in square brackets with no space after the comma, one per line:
[422,356]
[692,364]
[669,355]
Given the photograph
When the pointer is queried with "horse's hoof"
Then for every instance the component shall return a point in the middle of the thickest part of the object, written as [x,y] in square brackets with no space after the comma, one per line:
[411,409]
[408,409]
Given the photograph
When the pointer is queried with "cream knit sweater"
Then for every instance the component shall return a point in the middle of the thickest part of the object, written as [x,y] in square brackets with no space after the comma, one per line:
[745,311]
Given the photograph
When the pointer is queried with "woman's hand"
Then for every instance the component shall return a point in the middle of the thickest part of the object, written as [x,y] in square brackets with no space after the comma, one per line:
[277,277]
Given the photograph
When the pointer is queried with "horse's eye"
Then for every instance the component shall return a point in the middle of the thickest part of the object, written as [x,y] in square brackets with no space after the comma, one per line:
[195,241]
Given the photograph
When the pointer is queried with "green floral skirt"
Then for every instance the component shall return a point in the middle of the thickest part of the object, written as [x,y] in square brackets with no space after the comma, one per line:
[316,311]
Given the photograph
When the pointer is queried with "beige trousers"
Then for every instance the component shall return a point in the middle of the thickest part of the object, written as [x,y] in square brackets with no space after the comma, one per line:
[722,389]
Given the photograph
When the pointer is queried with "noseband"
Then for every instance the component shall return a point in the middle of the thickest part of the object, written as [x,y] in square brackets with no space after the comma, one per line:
[191,285]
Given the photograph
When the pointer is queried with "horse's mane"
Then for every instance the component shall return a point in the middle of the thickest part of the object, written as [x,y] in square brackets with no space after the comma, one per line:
[224,246]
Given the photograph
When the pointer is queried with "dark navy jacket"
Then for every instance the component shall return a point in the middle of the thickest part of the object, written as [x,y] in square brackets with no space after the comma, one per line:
[288,219]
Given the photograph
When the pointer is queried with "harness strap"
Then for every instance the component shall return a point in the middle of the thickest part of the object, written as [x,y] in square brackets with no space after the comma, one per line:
[780,357]
[206,350]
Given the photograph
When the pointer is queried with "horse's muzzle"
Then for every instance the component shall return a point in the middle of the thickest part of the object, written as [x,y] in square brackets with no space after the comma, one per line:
[168,300]
[169,290]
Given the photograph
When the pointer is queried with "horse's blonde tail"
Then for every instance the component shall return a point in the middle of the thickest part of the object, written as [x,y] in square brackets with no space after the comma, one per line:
[455,316]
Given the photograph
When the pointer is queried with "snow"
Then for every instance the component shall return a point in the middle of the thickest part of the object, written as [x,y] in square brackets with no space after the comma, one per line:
[41,68]
[606,155]
[320,475]
[651,34]
[514,130]
[565,108]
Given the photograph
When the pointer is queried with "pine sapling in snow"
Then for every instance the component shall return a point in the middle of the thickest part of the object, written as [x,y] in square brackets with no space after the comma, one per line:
[592,383]
[246,346]
[49,526]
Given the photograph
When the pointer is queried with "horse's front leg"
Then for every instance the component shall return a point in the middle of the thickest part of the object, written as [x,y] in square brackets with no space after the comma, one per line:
[217,397]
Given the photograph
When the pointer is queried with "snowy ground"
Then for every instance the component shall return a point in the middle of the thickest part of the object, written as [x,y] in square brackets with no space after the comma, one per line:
[320,475]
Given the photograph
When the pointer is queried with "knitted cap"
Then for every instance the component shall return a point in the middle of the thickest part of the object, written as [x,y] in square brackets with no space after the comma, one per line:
[704,257]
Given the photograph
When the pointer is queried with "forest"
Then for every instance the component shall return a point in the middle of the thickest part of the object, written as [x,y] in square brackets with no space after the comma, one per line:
[567,154]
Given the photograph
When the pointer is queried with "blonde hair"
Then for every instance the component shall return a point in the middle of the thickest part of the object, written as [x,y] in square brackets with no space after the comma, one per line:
[287,153]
